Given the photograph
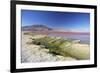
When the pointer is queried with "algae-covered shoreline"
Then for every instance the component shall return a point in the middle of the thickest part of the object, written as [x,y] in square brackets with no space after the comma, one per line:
[34,51]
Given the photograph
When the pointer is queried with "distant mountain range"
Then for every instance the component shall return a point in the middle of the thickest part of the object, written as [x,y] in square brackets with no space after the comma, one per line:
[36,27]
[43,29]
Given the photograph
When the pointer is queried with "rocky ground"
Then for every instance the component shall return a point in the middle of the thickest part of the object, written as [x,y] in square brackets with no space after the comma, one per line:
[34,53]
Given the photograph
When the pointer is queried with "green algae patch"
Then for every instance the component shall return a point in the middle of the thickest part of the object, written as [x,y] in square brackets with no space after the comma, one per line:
[64,47]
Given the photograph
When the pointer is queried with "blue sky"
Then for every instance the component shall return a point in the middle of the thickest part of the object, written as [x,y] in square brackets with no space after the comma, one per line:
[65,21]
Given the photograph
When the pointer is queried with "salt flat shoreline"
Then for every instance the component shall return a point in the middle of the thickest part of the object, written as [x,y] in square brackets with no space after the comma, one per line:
[34,53]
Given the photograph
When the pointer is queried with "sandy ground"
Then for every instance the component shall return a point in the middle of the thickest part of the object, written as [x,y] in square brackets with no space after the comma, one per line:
[34,53]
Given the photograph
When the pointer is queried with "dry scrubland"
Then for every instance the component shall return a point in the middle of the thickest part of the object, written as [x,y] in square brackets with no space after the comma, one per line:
[35,53]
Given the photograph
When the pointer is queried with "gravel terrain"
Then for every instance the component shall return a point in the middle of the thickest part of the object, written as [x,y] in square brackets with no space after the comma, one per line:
[35,53]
